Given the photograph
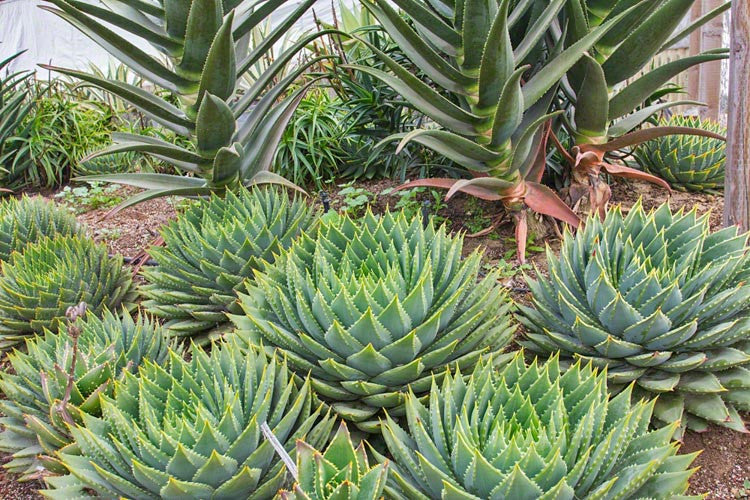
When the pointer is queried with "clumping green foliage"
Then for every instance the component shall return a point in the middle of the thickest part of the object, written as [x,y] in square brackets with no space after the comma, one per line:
[370,307]
[658,299]
[211,249]
[528,431]
[341,472]
[687,162]
[38,285]
[34,426]
[192,430]
[26,220]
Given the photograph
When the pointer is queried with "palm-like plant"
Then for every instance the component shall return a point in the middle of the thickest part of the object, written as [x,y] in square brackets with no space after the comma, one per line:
[660,301]
[34,427]
[38,285]
[603,111]
[15,106]
[202,41]
[27,220]
[529,431]
[211,249]
[492,123]
[192,430]
[371,307]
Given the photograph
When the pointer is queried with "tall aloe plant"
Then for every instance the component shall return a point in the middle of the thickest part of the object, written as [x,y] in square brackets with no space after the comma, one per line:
[603,110]
[492,121]
[202,42]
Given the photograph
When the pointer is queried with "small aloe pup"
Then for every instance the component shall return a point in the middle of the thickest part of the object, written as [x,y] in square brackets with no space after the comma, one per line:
[341,472]
[368,308]
[660,301]
[34,426]
[211,249]
[531,432]
[192,430]
[38,285]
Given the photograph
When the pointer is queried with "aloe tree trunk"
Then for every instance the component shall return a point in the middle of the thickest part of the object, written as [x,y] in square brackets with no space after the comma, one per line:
[737,179]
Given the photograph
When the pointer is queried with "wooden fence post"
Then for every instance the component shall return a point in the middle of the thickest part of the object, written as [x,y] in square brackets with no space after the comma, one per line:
[709,90]
[737,181]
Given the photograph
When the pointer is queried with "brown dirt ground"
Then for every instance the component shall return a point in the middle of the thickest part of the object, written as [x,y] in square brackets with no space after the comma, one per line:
[724,464]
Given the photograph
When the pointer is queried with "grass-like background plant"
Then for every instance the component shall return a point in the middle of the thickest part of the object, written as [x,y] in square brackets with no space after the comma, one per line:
[659,300]
[371,307]
[95,354]
[211,249]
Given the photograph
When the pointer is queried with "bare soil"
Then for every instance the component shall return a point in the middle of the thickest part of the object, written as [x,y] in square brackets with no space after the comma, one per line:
[724,464]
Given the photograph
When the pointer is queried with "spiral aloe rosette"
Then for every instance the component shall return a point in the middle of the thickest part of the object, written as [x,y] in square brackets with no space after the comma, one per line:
[34,427]
[659,300]
[26,220]
[53,274]
[532,432]
[370,307]
[211,249]
[687,162]
[341,472]
[192,430]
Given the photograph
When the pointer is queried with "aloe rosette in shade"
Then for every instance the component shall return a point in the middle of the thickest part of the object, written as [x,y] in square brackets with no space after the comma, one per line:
[368,308]
[532,432]
[660,301]
[211,249]
[341,472]
[37,286]
[34,426]
[26,220]
[192,430]
[687,162]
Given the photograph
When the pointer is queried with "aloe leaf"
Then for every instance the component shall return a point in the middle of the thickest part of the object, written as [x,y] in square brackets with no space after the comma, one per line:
[120,48]
[696,24]
[265,139]
[424,98]
[647,134]
[438,32]
[152,194]
[519,9]
[592,108]
[478,18]
[280,30]
[445,183]
[638,91]
[522,146]
[645,41]
[158,109]
[266,177]
[463,151]
[251,18]
[179,157]
[490,184]
[214,125]
[632,121]
[537,30]
[176,15]
[146,181]
[497,61]
[433,65]
[145,30]
[627,24]
[219,75]
[554,70]
[509,111]
[279,63]
[204,21]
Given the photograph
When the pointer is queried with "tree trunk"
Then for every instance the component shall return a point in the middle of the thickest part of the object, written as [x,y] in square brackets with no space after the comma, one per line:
[737,181]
